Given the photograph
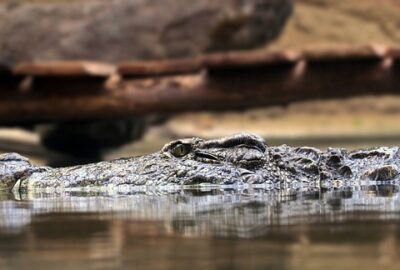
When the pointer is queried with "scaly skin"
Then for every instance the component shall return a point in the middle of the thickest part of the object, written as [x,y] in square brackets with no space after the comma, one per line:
[236,160]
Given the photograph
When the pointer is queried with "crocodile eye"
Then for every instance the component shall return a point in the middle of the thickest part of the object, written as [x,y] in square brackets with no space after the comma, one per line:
[180,150]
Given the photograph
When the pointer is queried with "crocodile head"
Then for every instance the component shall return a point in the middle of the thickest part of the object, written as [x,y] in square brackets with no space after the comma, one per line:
[230,160]
[193,161]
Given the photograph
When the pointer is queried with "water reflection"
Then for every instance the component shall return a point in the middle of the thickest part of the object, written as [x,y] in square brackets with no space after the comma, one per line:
[202,229]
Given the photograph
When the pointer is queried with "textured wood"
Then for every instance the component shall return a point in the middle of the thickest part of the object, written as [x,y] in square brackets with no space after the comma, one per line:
[212,82]
[228,90]
[249,59]
[64,69]
[159,68]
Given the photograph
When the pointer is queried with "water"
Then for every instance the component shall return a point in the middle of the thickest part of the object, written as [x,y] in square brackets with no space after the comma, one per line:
[203,229]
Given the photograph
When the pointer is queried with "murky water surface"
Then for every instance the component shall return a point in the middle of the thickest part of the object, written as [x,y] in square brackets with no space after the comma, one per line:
[203,229]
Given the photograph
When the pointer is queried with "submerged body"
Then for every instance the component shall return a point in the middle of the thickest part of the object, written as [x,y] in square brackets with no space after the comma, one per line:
[242,159]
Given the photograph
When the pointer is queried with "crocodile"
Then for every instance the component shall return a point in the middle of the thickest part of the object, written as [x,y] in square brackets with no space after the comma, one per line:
[237,160]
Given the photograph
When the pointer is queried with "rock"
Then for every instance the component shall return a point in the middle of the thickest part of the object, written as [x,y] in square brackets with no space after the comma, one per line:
[137,29]
[335,23]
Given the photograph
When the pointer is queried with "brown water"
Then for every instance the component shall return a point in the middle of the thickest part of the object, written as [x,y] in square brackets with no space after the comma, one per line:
[346,228]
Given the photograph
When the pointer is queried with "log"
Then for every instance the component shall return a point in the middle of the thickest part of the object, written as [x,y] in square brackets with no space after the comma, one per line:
[227,82]
[159,68]
[64,69]
[65,91]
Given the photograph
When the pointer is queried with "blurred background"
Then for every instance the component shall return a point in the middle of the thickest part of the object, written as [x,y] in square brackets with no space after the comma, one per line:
[82,81]
[35,31]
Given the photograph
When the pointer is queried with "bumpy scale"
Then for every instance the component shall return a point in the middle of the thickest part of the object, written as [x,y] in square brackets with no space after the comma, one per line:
[242,159]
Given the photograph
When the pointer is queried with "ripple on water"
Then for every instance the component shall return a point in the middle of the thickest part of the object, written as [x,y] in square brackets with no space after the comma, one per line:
[203,228]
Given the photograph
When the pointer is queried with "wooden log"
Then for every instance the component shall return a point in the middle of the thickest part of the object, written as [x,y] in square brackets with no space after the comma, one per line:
[228,89]
[64,69]
[223,61]
[160,68]
[73,77]
[211,82]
